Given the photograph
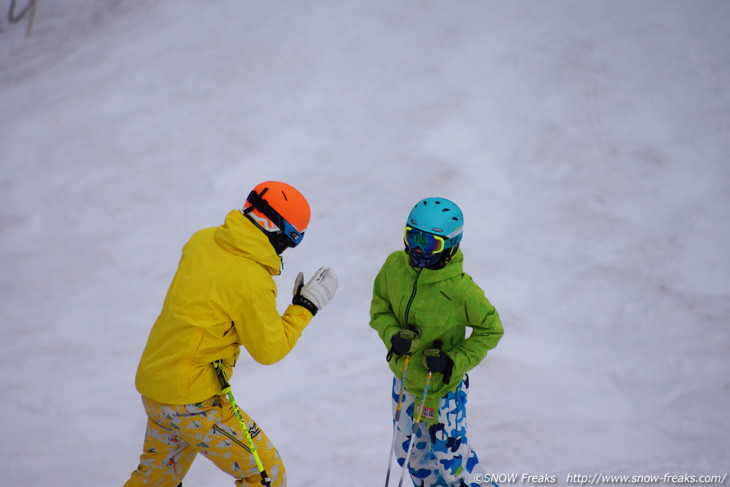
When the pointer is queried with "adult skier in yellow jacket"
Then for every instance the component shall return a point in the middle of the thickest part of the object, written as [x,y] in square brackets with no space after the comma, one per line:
[222,297]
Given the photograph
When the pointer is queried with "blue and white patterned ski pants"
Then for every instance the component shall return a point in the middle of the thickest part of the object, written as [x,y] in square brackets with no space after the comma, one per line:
[441,456]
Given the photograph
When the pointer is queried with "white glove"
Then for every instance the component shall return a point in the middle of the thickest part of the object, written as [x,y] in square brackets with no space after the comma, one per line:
[316,293]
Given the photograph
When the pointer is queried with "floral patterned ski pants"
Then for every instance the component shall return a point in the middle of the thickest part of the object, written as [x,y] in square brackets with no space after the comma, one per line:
[441,455]
[176,434]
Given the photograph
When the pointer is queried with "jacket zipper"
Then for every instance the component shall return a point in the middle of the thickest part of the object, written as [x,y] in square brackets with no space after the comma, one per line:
[413,296]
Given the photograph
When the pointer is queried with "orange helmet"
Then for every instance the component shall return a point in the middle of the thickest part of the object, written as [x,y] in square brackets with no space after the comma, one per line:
[280,209]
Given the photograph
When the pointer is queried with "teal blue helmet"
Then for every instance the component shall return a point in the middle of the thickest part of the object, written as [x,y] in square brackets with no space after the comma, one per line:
[433,232]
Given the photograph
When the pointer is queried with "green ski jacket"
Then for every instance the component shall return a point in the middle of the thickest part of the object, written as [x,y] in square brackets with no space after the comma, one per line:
[440,304]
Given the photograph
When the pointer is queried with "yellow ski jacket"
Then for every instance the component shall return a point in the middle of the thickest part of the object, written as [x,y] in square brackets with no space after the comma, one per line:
[223,296]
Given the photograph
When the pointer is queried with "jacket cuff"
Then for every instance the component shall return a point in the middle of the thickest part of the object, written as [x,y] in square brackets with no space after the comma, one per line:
[300,300]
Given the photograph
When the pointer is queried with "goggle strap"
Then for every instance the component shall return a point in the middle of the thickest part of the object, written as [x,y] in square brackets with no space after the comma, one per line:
[259,203]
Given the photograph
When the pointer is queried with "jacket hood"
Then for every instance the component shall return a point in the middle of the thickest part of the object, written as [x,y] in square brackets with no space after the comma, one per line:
[240,236]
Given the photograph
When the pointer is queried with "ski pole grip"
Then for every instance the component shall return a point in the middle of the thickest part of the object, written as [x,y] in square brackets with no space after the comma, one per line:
[221,377]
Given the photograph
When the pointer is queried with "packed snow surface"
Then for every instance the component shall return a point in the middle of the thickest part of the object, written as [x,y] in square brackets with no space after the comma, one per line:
[588,144]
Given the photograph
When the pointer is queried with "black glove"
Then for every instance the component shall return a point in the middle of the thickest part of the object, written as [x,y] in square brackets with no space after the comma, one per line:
[402,342]
[438,361]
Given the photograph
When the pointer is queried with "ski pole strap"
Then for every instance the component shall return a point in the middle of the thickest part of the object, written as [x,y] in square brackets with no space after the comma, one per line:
[226,389]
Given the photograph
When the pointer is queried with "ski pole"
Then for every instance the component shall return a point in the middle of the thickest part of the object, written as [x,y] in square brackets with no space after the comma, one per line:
[397,417]
[415,427]
[265,480]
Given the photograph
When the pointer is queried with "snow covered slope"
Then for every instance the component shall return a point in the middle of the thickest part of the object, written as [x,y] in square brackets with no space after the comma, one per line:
[588,144]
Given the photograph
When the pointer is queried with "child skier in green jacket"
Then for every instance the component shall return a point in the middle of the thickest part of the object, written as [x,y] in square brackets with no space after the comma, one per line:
[422,304]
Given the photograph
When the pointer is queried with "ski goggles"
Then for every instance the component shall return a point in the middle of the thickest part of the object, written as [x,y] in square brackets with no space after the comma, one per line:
[293,236]
[428,242]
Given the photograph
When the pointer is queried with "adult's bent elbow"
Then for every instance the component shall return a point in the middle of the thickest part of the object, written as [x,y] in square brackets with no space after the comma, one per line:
[267,358]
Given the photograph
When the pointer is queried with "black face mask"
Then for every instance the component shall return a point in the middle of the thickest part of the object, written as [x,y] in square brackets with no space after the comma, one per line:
[279,241]
[431,261]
